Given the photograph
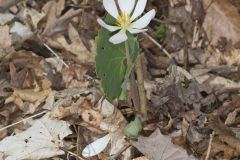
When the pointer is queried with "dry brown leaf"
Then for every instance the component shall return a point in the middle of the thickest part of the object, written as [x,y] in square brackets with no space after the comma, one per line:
[218,147]
[73,77]
[65,105]
[114,122]
[29,95]
[35,16]
[158,145]
[231,118]
[118,142]
[55,63]
[141,158]
[232,57]
[5,18]
[4,5]
[225,134]
[222,20]
[91,117]
[55,25]
[5,41]
[228,106]
[105,107]
[60,7]
[217,82]
[77,47]
[5,38]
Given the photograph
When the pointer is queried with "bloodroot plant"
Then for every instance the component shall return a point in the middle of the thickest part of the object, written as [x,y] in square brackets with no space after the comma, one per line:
[118,48]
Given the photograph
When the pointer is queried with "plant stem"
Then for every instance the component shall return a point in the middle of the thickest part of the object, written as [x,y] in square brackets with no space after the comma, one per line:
[133,85]
[129,61]
[140,84]
[134,92]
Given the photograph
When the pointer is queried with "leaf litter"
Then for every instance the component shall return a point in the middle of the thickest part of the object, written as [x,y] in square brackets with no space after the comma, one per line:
[193,96]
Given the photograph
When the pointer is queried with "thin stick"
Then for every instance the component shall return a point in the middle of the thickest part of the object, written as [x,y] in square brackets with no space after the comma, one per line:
[73,154]
[11,125]
[134,92]
[55,54]
[157,44]
[209,146]
[140,84]
[186,61]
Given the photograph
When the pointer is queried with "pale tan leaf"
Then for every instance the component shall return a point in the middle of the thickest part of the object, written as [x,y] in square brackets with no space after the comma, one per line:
[5,18]
[77,47]
[42,140]
[35,16]
[222,20]
[158,146]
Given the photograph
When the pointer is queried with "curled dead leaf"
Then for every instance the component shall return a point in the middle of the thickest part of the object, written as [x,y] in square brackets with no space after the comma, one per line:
[92,117]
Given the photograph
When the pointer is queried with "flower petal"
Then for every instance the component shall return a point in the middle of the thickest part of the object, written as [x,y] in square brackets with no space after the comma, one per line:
[135,31]
[144,20]
[141,4]
[119,37]
[108,27]
[96,147]
[111,8]
[126,6]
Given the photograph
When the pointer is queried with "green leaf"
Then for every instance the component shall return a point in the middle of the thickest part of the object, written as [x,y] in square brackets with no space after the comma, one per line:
[133,128]
[110,66]
[110,61]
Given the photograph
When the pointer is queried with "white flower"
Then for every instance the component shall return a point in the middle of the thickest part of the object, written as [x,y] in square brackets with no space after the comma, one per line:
[126,19]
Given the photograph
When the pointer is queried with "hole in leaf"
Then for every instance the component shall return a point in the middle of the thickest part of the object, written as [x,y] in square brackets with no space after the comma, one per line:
[26,140]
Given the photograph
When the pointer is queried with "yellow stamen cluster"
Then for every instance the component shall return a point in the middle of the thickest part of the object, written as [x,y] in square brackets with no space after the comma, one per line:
[124,21]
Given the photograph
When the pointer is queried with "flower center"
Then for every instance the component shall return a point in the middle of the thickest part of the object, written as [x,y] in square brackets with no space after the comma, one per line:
[123,20]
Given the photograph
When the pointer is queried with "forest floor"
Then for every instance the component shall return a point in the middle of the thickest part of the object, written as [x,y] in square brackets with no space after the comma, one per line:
[52,105]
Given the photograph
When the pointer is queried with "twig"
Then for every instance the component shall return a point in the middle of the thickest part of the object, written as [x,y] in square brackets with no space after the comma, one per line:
[73,154]
[134,92]
[159,21]
[78,141]
[186,57]
[209,146]
[159,45]
[55,54]
[11,125]
[186,61]
[140,84]
[6,4]
[196,33]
